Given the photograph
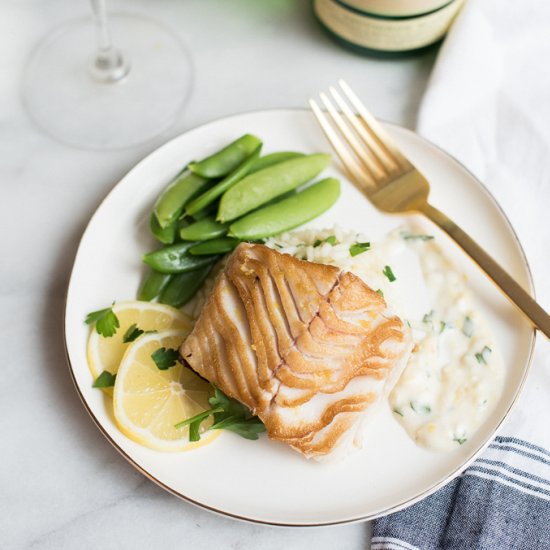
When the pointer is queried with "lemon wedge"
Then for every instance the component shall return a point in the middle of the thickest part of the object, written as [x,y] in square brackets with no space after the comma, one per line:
[105,354]
[148,401]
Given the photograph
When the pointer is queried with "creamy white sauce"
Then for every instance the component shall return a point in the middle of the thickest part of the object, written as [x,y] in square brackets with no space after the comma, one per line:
[455,373]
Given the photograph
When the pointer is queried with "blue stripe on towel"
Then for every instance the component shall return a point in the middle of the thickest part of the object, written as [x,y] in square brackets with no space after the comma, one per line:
[495,505]
[520,452]
[512,470]
[502,439]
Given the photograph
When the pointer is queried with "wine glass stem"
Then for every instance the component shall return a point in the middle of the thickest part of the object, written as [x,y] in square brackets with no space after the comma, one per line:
[108,64]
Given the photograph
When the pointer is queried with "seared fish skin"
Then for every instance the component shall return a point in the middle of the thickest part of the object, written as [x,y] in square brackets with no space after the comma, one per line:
[307,347]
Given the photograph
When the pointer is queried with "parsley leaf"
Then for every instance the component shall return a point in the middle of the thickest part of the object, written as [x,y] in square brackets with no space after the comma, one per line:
[358,248]
[483,355]
[228,414]
[106,322]
[331,239]
[165,358]
[411,237]
[426,409]
[468,327]
[380,291]
[428,317]
[132,333]
[104,380]
[460,440]
[389,274]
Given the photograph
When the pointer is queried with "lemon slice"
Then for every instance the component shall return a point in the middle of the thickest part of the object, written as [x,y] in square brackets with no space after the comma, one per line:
[106,353]
[148,401]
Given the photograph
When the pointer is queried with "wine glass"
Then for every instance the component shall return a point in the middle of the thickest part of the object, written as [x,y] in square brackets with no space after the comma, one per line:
[116,98]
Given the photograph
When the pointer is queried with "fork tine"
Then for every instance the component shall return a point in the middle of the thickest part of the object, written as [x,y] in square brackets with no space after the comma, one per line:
[356,171]
[373,146]
[373,125]
[361,152]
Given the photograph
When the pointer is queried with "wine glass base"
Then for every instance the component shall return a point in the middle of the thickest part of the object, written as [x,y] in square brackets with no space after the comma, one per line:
[63,99]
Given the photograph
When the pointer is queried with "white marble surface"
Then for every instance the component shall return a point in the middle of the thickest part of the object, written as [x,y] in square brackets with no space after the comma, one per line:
[62,485]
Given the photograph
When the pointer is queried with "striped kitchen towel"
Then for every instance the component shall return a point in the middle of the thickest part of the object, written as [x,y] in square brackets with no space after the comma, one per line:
[488,104]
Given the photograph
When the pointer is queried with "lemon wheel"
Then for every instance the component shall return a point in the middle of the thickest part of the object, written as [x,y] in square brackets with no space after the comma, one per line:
[105,354]
[148,402]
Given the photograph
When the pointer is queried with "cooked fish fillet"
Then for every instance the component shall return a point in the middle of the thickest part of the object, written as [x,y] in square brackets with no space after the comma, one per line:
[309,348]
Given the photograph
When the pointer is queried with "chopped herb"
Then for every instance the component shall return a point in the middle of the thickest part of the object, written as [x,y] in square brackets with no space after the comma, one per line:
[460,440]
[165,358]
[358,248]
[398,411]
[468,327]
[228,414]
[380,291]
[389,274]
[331,239]
[428,317]
[420,408]
[483,355]
[104,380]
[106,322]
[442,326]
[132,333]
[194,434]
[412,237]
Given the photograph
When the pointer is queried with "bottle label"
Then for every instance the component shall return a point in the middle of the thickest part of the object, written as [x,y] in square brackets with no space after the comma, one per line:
[396,8]
[392,35]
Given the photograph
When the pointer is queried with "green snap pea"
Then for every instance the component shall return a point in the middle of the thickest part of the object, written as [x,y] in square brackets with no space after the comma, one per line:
[273,158]
[166,235]
[214,246]
[258,188]
[210,210]
[203,230]
[213,193]
[153,284]
[227,159]
[170,233]
[175,258]
[183,286]
[288,213]
[179,192]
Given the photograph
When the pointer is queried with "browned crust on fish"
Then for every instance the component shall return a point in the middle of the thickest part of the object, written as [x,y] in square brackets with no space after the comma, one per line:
[278,332]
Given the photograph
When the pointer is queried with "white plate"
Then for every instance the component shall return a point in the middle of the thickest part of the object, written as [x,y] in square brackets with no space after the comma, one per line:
[265,481]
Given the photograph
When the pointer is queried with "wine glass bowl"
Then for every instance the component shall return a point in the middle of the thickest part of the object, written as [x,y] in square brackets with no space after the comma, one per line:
[121,96]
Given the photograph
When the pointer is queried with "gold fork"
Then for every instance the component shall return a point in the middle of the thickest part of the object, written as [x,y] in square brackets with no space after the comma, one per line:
[393,184]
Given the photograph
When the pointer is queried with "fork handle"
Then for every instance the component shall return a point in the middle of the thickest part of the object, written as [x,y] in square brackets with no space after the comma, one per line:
[500,277]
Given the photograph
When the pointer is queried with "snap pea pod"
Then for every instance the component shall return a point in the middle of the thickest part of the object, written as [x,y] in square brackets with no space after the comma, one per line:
[179,192]
[273,158]
[288,213]
[227,159]
[170,233]
[175,258]
[213,193]
[214,246]
[210,210]
[153,284]
[165,235]
[203,230]
[183,286]
[260,187]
